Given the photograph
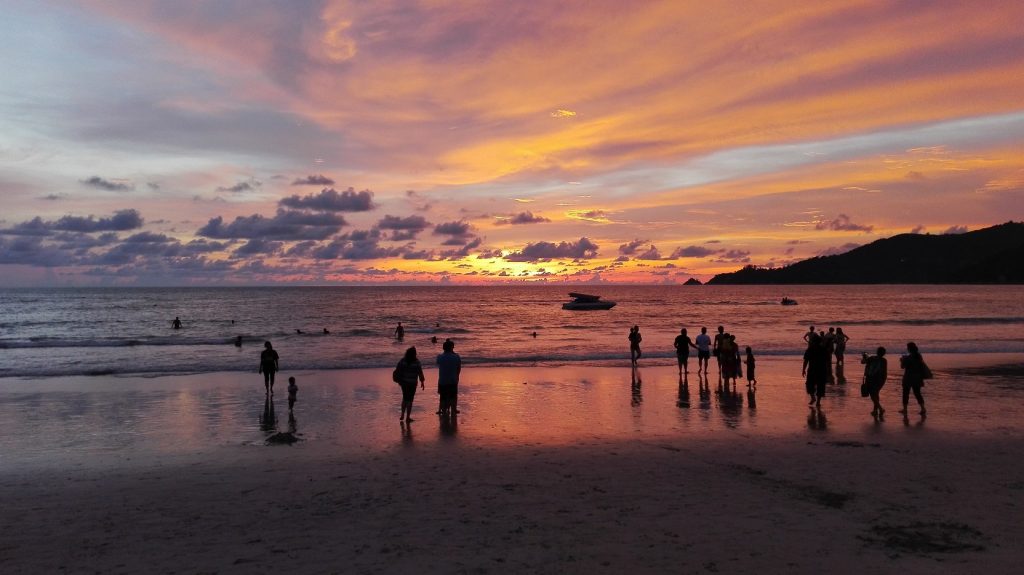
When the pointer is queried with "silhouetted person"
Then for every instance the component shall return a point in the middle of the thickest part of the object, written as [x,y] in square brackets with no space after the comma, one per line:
[841,339]
[716,349]
[816,369]
[534,334]
[683,345]
[293,391]
[914,373]
[176,324]
[298,332]
[829,342]
[728,358]
[810,332]
[449,367]
[399,332]
[433,339]
[238,341]
[634,343]
[326,332]
[703,349]
[876,370]
[751,379]
[409,370]
[268,366]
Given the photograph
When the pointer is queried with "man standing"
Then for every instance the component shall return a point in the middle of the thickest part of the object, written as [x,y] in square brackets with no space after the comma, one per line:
[717,349]
[449,366]
[703,349]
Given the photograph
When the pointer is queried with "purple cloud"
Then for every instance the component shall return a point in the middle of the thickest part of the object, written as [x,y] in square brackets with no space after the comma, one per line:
[330,200]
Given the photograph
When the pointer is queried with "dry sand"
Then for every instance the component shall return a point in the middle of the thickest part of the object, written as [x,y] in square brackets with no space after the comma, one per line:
[548,470]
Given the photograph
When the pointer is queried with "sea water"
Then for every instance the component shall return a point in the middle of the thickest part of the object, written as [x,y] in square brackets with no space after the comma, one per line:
[50,332]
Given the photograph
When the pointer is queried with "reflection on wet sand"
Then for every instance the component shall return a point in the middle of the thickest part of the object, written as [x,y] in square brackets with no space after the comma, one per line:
[268,420]
[635,383]
[816,419]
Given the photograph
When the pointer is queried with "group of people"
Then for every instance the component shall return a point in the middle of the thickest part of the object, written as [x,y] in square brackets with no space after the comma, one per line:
[723,347]
[825,349]
[409,371]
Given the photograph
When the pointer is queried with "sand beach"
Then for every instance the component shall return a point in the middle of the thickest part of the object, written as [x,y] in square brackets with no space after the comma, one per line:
[563,469]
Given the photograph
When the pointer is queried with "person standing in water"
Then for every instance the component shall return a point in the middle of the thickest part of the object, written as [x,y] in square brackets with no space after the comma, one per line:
[915,371]
[703,349]
[815,369]
[268,366]
[293,392]
[449,367]
[841,339]
[176,324]
[399,332]
[409,369]
[716,349]
[876,369]
[634,343]
[751,380]
[683,345]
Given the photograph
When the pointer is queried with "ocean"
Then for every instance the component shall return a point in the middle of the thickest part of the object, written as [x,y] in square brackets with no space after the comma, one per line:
[72,331]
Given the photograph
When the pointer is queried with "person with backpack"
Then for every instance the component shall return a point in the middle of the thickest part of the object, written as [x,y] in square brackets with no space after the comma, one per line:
[408,370]
[915,371]
[876,369]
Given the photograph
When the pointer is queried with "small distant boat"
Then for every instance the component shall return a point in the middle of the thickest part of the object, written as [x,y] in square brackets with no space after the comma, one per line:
[582,301]
[787,301]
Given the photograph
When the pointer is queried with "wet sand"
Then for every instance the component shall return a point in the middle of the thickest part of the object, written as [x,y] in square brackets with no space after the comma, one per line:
[547,469]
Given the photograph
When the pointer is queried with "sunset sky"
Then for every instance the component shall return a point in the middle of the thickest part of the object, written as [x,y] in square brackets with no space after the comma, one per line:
[175,142]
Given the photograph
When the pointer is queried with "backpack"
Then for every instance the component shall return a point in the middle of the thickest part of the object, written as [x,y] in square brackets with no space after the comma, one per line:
[396,376]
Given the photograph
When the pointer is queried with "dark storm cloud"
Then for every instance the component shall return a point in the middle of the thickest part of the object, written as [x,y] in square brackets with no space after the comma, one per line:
[523,218]
[632,247]
[403,229]
[108,185]
[257,246]
[32,251]
[842,223]
[734,257]
[463,251]
[651,253]
[330,200]
[121,221]
[357,245]
[580,250]
[459,233]
[691,252]
[285,225]
[313,180]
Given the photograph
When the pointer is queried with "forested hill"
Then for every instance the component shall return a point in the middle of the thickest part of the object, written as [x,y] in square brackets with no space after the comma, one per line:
[988,256]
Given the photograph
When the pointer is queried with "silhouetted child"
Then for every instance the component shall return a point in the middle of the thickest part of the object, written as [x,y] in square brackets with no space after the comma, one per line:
[293,390]
[750,367]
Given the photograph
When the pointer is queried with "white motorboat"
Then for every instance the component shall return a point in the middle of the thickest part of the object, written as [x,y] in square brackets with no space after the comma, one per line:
[582,301]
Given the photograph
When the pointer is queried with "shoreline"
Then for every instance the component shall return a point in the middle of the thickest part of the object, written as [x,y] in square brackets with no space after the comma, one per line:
[571,469]
[993,362]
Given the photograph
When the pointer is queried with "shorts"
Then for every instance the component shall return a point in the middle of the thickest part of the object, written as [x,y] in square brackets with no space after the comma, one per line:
[681,357]
[448,392]
[703,354]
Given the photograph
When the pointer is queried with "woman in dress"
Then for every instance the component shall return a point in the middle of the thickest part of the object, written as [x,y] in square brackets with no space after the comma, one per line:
[409,369]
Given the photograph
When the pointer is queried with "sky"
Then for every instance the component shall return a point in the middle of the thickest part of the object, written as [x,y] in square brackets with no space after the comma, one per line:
[188,142]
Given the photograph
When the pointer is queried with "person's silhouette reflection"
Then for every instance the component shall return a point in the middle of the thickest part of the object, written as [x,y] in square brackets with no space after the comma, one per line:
[637,395]
[752,397]
[406,435]
[449,425]
[816,419]
[840,377]
[704,391]
[293,426]
[268,421]
[684,395]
